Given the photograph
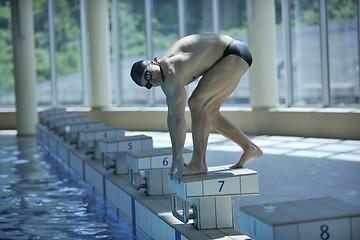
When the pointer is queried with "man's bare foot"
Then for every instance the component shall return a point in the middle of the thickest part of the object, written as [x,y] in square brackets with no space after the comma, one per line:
[248,156]
[191,169]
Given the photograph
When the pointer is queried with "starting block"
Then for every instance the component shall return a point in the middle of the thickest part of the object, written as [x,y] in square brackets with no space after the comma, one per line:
[319,218]
[51,119]
[41,136]
[113,150]
[88,139]
[155,163]
[44,114]
[72,129]
[60,123]
[210,195]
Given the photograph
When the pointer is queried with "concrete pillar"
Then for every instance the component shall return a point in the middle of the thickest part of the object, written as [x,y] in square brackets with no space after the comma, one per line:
[263,74]
[98,22]
[24,66]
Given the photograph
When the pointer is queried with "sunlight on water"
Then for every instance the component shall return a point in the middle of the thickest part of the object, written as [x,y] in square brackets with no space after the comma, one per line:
[40,199]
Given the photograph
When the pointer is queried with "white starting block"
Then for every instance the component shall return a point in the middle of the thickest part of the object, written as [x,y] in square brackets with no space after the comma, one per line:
[41,135]
[50,119]
[155,163]
[88,139]
[44,114]
[60,123]
[72,129]
[211,195]
[319,218]
[113,150]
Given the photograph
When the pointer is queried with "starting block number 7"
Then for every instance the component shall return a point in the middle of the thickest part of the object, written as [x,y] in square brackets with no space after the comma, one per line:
[221,184]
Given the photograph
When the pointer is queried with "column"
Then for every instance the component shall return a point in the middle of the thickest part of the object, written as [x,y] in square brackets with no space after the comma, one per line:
[263,73]
[98,22]
[24,66]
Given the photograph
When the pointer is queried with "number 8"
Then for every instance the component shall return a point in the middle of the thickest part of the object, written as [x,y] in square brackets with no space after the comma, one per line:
[324,232]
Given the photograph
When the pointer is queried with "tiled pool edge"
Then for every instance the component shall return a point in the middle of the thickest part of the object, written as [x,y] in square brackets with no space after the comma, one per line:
[150,214]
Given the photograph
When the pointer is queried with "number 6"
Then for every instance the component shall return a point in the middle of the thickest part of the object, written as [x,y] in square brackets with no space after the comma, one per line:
[165,162]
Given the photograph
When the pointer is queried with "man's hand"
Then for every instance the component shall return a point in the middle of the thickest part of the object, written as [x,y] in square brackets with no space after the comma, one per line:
[172,171]
[177,169]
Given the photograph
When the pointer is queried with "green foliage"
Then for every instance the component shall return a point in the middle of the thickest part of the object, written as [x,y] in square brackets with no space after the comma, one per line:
[342,11]
[67,41]
[68,48]
[41,28]
[165,24]
[306,12]
[235,32]
[132,28]
[6,51]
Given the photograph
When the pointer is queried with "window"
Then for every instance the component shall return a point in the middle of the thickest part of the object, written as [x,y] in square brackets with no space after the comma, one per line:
[42,53]
[166,33]
[132,43]
[280,53]
[233,22]
[61,54]
[68,52]
[305,39]
[323,53]
[343,53]
[7,82]
[198,16]
[198,19]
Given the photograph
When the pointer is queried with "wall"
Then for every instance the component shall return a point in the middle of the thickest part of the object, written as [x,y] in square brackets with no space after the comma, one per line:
[323,123]
[306,123]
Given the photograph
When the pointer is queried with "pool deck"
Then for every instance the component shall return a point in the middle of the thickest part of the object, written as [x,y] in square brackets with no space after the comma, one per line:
[292,168]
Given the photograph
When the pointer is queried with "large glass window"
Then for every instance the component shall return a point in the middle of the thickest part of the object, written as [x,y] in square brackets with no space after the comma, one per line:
[280,53]
[198,19]
[42,52]
[304,88]
[165,33]
[307,86]
[68,52]
[132,42]
[322,52]
[198,16]
[343,53]
[233,22]
[7,82]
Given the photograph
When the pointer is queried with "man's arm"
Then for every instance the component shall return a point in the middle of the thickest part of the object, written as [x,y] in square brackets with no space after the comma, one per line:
[176,101]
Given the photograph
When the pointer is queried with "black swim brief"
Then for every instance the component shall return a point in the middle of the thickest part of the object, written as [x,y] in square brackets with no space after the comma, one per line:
[239,48]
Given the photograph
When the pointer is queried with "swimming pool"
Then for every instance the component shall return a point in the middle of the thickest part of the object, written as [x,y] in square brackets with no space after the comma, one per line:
[41,199]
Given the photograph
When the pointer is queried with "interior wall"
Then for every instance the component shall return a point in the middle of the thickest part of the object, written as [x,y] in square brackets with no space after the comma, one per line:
[312,123]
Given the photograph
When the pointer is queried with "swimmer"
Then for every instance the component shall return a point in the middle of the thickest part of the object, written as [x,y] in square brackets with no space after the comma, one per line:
[221,61]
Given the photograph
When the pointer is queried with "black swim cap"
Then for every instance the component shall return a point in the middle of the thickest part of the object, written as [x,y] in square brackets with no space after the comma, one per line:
[137,71]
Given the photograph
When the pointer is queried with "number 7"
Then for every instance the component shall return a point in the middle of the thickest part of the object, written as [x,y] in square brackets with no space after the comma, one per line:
[222,184]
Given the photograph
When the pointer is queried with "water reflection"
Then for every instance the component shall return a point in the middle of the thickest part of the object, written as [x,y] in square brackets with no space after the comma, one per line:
[39,199]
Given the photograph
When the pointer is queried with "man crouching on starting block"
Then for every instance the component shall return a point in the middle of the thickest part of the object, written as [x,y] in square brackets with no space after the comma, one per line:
[221,61]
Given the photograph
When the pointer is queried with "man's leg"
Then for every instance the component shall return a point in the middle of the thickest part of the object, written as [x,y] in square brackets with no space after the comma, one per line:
[200,124]
[230,130]
[213,89]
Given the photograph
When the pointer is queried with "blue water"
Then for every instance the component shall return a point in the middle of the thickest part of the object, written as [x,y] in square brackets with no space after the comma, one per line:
[41,199]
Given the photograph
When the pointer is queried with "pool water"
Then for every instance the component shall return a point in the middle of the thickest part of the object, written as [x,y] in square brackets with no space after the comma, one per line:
[41,199]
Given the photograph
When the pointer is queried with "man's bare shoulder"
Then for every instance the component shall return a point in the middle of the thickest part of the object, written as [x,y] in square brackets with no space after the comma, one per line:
[171,83]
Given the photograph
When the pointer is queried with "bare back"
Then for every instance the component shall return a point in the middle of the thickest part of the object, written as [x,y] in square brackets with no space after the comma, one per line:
[188,59]
[193,55]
